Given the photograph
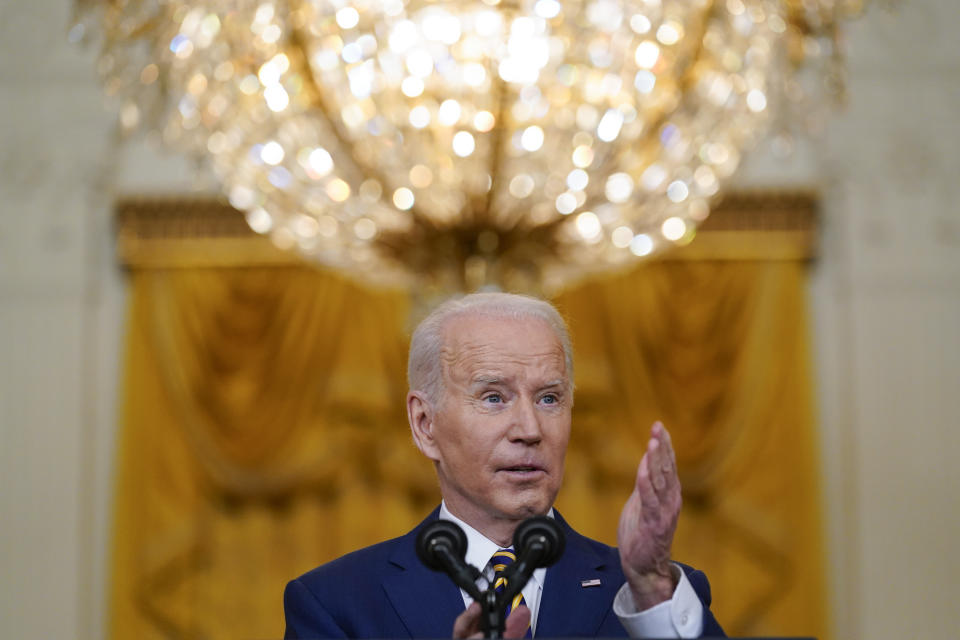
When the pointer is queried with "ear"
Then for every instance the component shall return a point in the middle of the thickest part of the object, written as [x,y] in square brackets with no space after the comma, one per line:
[420,415]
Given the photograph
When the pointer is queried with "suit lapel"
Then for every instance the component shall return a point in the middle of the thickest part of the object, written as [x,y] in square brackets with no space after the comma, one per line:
[426,601]
[566,607]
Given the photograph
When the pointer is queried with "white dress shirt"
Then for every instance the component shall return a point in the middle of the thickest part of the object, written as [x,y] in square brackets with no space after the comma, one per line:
[679,617]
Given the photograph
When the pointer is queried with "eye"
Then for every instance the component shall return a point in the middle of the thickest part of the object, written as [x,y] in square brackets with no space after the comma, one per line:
[493,398]
[550,398]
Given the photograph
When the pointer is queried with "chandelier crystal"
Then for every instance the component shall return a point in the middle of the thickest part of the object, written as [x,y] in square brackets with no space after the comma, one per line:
[449,145]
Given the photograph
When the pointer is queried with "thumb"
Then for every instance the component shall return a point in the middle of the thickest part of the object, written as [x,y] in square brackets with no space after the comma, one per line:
[517,622]
[467,624]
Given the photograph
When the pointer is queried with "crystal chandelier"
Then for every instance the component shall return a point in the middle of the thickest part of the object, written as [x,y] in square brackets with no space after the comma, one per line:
[449,145]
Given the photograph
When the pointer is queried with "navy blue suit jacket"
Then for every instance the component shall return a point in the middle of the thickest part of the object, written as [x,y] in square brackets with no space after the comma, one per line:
[384,591]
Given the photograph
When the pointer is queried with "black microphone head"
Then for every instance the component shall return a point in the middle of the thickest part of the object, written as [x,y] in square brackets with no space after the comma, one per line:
[544,532]
[435,535]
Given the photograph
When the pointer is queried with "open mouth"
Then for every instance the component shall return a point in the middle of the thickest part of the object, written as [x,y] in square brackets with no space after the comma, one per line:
[522,469]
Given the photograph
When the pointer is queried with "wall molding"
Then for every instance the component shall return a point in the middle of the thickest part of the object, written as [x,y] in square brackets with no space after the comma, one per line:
[179,231]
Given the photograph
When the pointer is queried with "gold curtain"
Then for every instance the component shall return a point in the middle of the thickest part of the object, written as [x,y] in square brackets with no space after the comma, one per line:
[263,432]
[717,350]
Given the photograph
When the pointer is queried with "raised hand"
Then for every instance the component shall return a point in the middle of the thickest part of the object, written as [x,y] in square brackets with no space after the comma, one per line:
[648,521]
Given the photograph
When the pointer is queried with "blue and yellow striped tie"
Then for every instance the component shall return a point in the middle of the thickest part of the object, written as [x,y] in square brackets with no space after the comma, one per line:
[502,559]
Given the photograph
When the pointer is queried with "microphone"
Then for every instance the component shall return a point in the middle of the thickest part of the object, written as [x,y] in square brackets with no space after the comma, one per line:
[442,546]
[539,542]
[541,539]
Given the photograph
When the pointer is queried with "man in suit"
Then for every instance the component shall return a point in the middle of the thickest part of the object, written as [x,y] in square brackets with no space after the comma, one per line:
[491,393]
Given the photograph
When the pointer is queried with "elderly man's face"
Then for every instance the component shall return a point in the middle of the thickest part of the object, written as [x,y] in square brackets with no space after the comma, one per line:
[499,433]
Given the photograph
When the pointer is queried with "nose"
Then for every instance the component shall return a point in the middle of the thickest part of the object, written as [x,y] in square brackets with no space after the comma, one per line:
[525,423]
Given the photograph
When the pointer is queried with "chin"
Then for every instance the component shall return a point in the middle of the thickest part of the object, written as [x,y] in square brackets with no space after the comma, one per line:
[529,509]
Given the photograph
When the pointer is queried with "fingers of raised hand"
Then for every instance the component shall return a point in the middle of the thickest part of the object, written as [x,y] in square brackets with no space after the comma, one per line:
[649,500]
[658,485]
[663,463]
[664,435]
[659,467]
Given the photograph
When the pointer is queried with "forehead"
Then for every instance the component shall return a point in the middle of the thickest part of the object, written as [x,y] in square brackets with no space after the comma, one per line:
[482,344]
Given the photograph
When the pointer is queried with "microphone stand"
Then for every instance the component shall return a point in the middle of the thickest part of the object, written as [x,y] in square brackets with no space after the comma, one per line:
[442,545]
[492,621]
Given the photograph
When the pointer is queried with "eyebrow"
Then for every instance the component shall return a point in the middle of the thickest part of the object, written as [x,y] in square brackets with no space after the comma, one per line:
[494,380]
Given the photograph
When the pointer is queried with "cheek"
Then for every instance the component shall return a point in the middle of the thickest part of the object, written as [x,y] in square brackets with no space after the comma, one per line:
[465,441]
[559,425]
[561,437]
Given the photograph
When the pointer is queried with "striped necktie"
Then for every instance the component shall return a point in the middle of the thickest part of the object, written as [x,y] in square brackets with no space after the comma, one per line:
[500,560]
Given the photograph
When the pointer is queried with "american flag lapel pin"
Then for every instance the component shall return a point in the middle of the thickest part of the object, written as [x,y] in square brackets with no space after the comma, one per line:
[593,582]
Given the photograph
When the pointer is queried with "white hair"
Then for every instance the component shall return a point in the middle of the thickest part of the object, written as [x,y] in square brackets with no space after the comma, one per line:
[424,370]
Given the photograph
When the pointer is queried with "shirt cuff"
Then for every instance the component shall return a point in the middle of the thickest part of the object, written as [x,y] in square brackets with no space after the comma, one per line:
[679,617]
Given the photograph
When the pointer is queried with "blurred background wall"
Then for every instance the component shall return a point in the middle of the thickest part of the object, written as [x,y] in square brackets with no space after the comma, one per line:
[885,298]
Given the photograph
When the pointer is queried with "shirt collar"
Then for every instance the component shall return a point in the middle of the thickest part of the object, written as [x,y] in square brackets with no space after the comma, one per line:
[480,548]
